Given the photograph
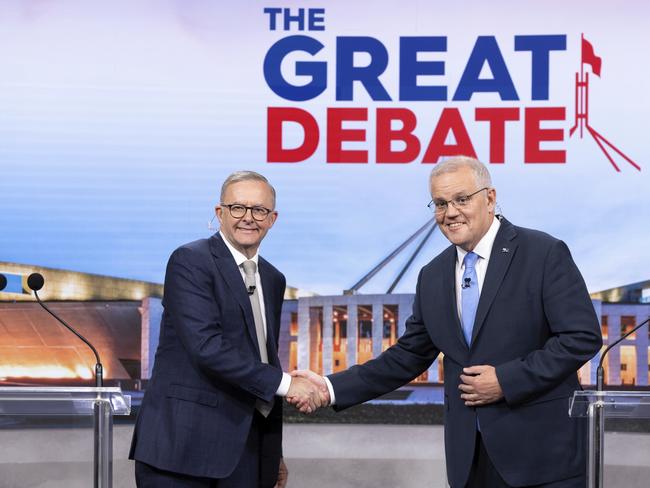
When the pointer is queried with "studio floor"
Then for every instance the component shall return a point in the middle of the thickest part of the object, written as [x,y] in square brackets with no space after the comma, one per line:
[318,455]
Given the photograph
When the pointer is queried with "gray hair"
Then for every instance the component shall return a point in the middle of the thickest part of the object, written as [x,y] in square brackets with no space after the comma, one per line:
[239,176]
[481,173]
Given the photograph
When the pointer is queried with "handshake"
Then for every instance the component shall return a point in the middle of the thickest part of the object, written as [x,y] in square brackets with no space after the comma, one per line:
[308,391]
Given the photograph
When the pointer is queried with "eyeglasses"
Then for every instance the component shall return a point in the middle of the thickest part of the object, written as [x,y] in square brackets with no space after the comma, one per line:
[238,211]
[440,206]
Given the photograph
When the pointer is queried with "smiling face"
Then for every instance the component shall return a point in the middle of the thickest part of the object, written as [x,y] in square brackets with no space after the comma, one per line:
[246,233]
[467,226]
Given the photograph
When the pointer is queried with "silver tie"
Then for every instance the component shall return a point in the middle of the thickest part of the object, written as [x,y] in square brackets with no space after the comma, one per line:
[249,280]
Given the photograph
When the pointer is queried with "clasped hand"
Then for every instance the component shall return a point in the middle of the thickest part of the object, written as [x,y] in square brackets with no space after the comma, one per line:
[480,385]
[308,391]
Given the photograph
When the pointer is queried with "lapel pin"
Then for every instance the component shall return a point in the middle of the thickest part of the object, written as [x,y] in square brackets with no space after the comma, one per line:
[505,249]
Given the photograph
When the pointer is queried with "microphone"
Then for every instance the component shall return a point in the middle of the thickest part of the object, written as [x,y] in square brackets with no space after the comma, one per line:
[251,289]
[467,283]
[35,282]
[3,281]
[600,372]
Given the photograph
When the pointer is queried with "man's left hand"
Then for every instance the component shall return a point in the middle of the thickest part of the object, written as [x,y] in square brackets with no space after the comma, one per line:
[480,385]
[283,474]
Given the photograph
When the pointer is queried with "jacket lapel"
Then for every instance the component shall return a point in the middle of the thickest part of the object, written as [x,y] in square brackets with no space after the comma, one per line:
[503,251]
[449,289]
[228,269]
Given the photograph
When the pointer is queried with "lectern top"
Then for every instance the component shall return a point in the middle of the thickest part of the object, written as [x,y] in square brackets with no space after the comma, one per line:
[57,400]
[614,404]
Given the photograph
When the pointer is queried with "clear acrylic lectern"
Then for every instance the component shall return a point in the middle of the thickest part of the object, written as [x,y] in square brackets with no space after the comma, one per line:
[99,403]
[597,406]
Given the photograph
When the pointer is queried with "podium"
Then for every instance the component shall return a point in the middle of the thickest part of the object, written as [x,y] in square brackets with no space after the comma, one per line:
[99,403]
[597,406]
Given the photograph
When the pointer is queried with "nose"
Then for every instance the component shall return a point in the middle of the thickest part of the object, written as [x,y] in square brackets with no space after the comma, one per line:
[248,216]
[452,211]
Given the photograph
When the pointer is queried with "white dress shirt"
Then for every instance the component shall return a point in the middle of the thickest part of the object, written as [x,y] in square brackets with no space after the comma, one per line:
[483,249]
[283,389]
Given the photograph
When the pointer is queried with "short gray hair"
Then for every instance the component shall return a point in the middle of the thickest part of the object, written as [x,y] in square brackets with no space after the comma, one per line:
[239,176]
[481,173]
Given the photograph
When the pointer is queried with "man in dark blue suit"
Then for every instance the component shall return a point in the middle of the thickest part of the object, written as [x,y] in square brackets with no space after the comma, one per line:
[509,310]
[211,416]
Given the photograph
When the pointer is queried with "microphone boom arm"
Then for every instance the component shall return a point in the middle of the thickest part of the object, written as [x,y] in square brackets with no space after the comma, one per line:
[99,375]
[600,372]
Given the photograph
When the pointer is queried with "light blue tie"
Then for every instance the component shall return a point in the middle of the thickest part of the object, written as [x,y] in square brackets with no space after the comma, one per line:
[469,295]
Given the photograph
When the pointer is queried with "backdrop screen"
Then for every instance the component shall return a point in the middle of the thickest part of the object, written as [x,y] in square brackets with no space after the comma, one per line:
[119,121]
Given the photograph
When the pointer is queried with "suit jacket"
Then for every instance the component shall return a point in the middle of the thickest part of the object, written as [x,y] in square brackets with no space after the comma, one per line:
[535,323]
[197,410]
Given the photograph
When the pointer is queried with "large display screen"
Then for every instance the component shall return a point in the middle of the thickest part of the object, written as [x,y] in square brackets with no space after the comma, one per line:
[119,121]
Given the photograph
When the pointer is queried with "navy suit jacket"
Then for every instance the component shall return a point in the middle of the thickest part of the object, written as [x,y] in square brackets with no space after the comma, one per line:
[535,323]
[198,407]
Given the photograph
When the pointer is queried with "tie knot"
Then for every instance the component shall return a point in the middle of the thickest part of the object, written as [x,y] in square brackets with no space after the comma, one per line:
[249,267]
[470,260]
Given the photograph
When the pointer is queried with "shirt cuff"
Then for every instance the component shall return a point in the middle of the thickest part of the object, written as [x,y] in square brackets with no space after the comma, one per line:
[330,388]
[283,389]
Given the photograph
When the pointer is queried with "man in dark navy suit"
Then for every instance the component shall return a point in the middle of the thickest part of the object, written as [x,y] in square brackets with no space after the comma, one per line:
[509,310]
[212,414]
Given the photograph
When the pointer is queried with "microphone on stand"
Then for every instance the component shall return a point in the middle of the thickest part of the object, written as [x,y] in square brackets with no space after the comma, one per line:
[3,281]
[600,372]
[35,282]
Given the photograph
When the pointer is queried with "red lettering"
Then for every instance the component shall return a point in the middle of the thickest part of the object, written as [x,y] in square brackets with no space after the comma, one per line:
[386,135]
[535,135]
[276,117]
[337,135]
[450,122]
[497,118]
[396,140]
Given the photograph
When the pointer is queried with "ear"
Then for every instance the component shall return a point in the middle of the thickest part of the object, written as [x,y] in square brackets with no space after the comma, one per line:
[218,210]
[273,216]
[492,199]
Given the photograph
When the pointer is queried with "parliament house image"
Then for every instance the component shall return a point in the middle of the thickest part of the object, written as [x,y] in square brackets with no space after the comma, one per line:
[323,333]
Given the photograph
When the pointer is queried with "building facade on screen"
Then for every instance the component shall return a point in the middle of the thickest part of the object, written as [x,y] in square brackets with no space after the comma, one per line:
[323,333]
[331,333]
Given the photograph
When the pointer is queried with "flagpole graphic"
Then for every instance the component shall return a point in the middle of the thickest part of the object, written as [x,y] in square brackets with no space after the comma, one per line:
[588,56]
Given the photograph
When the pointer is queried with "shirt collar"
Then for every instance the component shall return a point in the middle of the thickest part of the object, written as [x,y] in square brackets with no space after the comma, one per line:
[484,246]
[239,257]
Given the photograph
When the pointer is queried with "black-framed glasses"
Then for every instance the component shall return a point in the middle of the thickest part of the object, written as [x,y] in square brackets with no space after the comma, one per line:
[237,211]
[440,206]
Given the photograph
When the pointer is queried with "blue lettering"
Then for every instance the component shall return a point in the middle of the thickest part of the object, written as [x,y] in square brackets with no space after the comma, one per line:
[410,68]
[273,12]
[316,69]
[540,48]
[299,18]
[347,73]
[316,20]
[486,50]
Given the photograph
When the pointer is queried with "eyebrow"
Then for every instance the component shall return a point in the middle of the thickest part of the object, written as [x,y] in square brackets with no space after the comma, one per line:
[456,195]
[244,205]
